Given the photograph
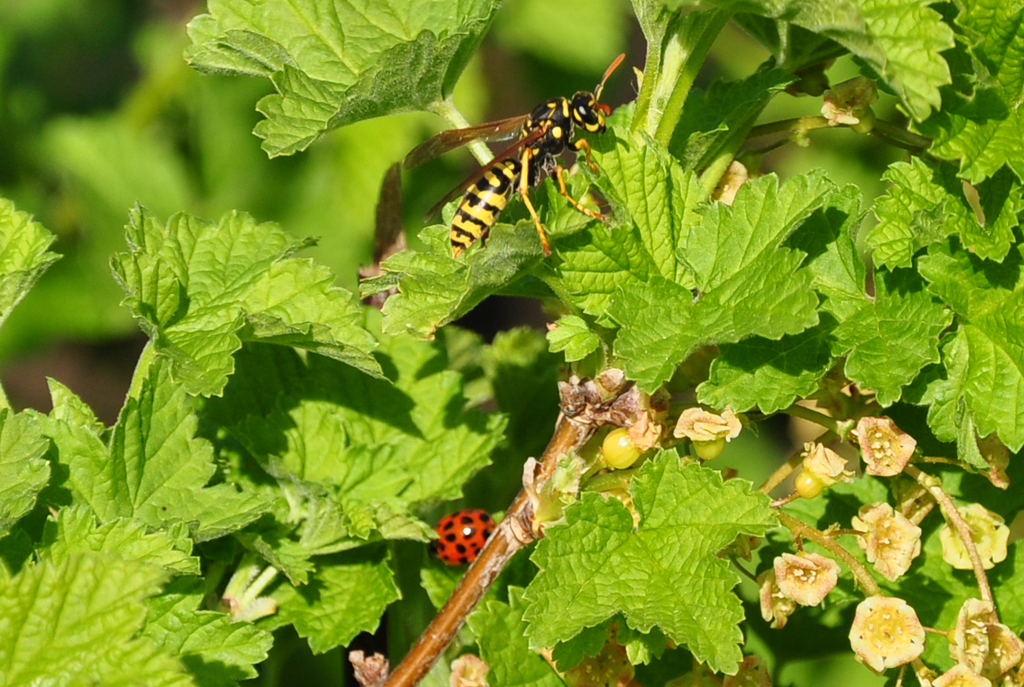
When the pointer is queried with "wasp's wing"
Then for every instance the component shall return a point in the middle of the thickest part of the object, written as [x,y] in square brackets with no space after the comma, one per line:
[454,138]
[478,173]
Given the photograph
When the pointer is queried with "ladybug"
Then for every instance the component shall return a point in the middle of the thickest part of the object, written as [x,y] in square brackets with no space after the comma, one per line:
[461,535]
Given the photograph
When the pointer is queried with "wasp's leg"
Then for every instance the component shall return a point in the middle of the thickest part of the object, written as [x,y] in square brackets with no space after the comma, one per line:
[524,191]
[559,174]
[585,147]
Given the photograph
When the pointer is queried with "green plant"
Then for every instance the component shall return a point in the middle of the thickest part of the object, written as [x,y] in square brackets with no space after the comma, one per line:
[282,448]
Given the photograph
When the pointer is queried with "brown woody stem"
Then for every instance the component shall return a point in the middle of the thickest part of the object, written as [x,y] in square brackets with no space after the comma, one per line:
[511,535]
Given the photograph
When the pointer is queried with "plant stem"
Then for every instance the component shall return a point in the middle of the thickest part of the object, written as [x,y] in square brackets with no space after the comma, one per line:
[900,137]
[446,108]
[141,372]
[815,416]
[507,540]
[954,518]
[860,573]
[671,68]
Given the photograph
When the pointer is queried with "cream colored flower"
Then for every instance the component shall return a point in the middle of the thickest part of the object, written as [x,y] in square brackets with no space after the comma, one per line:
[468,671]
[960,676]
[827,466]
[988,531]
[776,607]
[982,643]
[807,578]
[885,447]
[891,542]
[886,633]
[708,432]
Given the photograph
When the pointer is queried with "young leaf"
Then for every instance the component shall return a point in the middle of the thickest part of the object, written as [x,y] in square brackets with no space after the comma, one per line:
[665,573]
[77,621]
[338,66]
[23,472]
[347,595]
[987,298]
[199,288]
[504,647]
[572,336]
[983,130]
[926,204]
[900,41]
[74,530]
[752,286]
[660,205]
[23,255]
[214,650]
[155,468]
[891,340]
[769,374]
[436,288]
[327,424]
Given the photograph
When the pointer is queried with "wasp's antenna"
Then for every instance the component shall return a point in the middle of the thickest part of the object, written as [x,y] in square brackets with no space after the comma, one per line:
[607,73]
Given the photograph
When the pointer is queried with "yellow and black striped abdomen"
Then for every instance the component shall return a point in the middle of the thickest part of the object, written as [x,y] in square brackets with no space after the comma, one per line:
[479,208]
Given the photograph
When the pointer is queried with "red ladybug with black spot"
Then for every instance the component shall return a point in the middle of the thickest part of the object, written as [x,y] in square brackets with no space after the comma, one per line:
[461,535]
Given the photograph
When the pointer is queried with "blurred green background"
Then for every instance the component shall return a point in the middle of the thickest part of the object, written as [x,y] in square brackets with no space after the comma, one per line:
[98,111]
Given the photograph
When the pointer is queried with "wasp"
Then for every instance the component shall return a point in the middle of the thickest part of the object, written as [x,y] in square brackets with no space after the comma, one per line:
[541,137]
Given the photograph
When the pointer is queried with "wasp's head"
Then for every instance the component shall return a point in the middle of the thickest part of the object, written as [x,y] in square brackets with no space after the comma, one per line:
[588,113]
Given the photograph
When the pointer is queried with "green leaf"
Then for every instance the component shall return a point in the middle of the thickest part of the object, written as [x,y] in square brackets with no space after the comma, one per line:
[666,573]
[435,288]
[347,595]
[23,472]
[900,41]
[572,335]
[988,299]
[23,255]
[77,622]
[712,118]
[74,530]
[926,204]
[154,469]
[504,647]
[330,527]
[891,340]
[768,374]
[658,204]
[752,286]
[336,66]
[214,650]
[319,422]
[983,129]
[199,288]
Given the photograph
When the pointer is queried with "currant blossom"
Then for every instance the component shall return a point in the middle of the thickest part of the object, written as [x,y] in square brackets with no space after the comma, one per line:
[885,447]
[890,541]
[886,633]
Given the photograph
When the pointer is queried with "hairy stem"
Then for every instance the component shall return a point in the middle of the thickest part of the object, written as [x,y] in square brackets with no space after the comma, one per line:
[954,518]
[512,534]
[446,108]
[860,573]
[141,372]
[672,65]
